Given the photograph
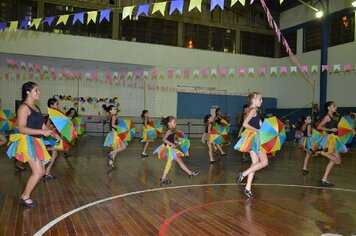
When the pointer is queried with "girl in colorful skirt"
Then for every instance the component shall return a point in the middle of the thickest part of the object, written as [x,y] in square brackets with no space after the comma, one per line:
[168,150]
[331,144]
[249,142]
[147,140]
[27,145]
[306,142]
[112,139]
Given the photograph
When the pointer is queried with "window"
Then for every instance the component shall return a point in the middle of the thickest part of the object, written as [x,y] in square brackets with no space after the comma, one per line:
[150,30]
[292,42]
[342,30]
[312,38]
[17,11]
[209,38]
[257,44]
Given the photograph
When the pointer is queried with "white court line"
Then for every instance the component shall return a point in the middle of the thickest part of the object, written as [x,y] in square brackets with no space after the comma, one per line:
[55,221]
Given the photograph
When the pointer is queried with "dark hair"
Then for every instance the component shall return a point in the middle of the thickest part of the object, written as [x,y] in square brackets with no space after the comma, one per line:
[217,110]
[305,117]
[245,106]
[206,118]
[143,113]
[51,102]
[27,87]
[107,108]
[70,111]
[328,104]
[166,120]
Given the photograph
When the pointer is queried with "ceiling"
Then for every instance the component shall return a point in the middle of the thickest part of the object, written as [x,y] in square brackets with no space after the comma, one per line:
[287,4]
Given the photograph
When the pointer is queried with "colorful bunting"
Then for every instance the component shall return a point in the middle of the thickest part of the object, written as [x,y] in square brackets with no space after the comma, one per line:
[92,15]
[36,22]
[215,3]
[3,25]
[13,26]
[62,19]
[195,4]
[127,12]
[143,9]
[105,14]
[24,24]
[78,17]
[177,4]
[159,7]
[48,20]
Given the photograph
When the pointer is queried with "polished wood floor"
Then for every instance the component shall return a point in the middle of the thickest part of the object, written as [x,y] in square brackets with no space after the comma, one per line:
[133,202]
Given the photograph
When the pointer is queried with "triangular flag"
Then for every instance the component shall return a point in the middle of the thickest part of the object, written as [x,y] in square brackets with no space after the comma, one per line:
[127,12]
[92,15]
[232,71]
[195,4]
[215,3]
[143,9]
[36,22]
[273,70]
[243,2]
[24,24]
[337,68]
[62,19]
[262,70]
[105,14]
[281,1]
[233,2]
[79,16]
[251,71]
[13,26]
[314,68]
[48,20]
[160,6]
[293,69]
[324,68]
[3,25]
[347,67]
[178,4]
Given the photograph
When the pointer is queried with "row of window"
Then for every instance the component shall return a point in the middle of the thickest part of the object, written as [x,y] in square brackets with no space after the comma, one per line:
[165,32]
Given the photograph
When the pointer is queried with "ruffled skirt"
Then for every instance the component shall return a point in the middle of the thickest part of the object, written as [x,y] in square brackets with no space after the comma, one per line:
[249,140]
[331,143]
[114,141]
[25,147]
[164,150]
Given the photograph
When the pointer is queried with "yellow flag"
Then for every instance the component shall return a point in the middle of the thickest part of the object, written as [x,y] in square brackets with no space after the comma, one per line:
[13,26]
[62,19]
[127,12]
[195,4]
[160,6]
[92,16]
[243,2]
[233,2]
[280,1]
[35,22]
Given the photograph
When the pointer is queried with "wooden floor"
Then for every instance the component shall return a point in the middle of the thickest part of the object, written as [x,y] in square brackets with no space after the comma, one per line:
[129,200]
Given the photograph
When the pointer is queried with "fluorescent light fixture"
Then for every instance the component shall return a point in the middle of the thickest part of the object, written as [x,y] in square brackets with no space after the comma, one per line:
[319,14]
[354,3]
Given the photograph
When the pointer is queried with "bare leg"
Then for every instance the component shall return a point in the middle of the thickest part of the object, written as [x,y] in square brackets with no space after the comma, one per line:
[37,172]
[146,146]
[334,159]
[220,149]
[53,159]
[210,152]
[263,162]
[182,165]
[254,159]
[306,160]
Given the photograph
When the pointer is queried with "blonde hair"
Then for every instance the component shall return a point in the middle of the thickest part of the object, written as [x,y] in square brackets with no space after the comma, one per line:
[252,96]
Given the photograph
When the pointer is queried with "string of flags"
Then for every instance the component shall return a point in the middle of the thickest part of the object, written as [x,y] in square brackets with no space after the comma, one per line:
[18,69]
[104,14]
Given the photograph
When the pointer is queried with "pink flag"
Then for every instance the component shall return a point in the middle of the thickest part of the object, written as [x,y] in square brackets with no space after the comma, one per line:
[347,67]
[186,72]
[262,70]
[324,68]
[283,69]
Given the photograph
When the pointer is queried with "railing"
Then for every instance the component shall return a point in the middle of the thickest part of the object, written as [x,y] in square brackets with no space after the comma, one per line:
[192,130]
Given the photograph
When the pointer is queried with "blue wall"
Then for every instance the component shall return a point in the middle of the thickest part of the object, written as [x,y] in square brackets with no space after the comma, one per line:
[191,105]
